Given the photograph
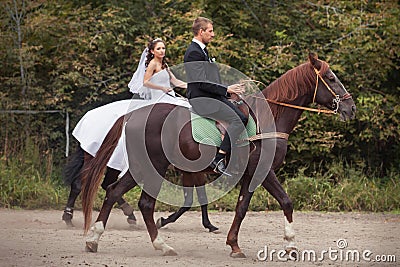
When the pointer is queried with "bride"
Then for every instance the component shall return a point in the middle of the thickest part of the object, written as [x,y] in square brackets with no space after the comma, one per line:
[152,81]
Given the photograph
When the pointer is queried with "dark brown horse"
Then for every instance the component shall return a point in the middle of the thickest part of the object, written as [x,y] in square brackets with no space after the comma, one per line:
[310,82]
[72,178]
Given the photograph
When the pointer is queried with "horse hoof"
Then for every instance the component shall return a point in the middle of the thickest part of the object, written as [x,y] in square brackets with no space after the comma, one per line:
[170,252]
[213,229]
[237,255]
[69,223]
[159,223]
[131,221]
[67,218]
[91,246]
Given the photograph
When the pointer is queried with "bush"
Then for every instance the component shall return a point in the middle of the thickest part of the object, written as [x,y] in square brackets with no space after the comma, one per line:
[29,180]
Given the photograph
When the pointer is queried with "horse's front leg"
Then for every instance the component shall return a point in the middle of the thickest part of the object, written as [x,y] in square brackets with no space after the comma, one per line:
[272,185]
[114,192]
[240,212]
[127,210]
[146,206]
[110,177]
[188,194]
[202,197]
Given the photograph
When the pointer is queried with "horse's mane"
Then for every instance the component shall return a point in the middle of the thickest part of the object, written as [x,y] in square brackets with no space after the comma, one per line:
[294,83]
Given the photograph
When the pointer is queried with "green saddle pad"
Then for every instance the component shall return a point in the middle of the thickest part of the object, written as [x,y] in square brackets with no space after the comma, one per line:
[205,132]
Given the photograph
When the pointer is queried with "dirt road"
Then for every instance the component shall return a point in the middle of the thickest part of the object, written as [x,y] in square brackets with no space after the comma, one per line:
[40,238]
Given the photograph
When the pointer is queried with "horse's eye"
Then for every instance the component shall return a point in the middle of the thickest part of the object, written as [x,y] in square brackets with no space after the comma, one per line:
[331,77]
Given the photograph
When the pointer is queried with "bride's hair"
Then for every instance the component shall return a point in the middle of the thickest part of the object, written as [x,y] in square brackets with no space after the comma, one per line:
[150,56]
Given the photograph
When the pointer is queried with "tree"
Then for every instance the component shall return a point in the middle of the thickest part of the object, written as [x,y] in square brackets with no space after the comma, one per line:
[76,55]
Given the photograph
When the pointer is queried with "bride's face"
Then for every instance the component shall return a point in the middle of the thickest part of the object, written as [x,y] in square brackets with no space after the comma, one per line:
[159,50]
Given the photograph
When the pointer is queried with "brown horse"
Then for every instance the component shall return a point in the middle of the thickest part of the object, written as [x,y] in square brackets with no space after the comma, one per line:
[310,82]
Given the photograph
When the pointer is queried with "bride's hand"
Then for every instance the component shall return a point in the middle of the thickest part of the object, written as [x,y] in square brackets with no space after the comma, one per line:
[167,89]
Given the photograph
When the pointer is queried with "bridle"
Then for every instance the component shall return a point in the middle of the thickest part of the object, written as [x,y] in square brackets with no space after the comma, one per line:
[337,98]
[335,106]
[335,102]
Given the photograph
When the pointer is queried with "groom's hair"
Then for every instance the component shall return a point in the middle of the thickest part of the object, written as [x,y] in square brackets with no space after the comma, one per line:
[200,23]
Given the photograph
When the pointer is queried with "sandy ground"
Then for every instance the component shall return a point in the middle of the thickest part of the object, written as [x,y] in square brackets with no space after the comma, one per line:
[40,238]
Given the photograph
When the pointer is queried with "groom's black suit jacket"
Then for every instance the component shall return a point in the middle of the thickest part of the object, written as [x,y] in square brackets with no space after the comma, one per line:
[203,81]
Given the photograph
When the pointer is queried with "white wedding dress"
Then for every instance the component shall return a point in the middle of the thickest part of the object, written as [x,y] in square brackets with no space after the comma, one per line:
[96,123]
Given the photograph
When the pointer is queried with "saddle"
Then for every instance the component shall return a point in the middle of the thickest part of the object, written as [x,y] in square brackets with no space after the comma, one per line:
[211,132]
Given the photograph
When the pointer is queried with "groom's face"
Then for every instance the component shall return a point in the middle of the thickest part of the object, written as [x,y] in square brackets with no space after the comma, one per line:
[208,34]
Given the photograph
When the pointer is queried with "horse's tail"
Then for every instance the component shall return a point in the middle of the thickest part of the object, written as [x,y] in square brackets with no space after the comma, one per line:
[94,169]
[72,169]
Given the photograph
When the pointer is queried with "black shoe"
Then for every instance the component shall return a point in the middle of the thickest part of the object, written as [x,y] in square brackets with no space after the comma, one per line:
[219,167]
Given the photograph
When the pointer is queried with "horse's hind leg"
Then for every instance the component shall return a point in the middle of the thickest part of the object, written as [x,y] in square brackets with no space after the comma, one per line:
[114,192]
[72,177]
[188,182]
[240,212]
[110,177]
[73,195]
[188,193]
[272,185]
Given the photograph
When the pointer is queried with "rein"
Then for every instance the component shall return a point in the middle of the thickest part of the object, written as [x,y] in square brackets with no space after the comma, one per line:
[318,110]
[296,106]
[336,101]
[267,136]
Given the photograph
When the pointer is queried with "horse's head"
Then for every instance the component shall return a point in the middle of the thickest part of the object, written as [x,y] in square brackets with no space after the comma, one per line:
[330,92]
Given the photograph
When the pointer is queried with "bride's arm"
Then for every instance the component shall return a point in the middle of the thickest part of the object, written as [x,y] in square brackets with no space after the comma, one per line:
[175,81]
[147,76]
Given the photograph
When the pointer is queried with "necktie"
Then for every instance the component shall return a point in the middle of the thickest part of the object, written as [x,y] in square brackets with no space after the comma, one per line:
[206,51]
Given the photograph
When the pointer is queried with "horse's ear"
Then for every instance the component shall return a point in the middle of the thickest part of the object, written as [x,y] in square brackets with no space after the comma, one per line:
[313,58]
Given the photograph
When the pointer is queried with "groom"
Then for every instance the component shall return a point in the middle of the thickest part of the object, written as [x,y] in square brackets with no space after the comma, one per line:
[205,93]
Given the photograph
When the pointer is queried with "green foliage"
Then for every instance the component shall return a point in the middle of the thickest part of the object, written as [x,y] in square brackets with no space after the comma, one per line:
[341,188]
[344,189]
[27,181]
[76,55]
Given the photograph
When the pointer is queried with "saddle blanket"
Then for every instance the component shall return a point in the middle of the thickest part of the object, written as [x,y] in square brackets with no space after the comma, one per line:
[205,131]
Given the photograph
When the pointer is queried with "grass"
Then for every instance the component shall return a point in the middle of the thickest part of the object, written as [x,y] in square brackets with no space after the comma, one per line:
[23,185]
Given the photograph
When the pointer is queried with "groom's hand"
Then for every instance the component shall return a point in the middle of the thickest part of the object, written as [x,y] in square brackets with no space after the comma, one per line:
[236,88]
